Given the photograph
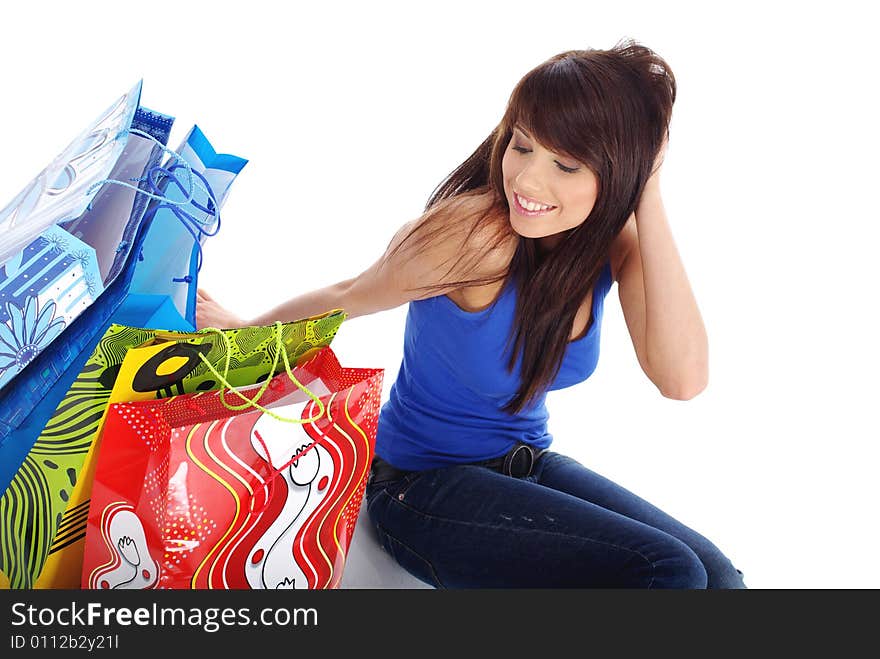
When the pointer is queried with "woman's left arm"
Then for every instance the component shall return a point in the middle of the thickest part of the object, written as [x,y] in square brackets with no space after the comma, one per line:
[658,305]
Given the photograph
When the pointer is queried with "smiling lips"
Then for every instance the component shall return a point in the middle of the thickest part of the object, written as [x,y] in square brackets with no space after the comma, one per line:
[530,207]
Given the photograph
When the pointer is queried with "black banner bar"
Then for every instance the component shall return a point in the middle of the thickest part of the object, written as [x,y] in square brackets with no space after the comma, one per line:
[388,622]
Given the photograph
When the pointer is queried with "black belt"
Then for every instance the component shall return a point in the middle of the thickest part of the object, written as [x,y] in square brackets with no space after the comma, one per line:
[518,463]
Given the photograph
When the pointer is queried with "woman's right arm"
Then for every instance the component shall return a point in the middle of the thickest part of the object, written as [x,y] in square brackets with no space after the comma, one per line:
[384,285]
[393,280]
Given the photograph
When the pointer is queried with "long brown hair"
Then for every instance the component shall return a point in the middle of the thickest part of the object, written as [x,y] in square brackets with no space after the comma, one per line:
[608,109]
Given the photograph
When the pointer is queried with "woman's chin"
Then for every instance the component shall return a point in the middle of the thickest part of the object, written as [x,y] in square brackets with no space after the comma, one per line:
[528,229]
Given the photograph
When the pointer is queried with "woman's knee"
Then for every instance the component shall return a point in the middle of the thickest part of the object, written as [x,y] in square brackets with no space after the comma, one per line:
[677,566]
[722,573]
[671,563]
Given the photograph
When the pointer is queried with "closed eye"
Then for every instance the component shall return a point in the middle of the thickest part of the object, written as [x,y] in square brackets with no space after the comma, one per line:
[567,170]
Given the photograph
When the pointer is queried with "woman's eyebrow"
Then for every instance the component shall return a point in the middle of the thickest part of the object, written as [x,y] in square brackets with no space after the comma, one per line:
[530,137]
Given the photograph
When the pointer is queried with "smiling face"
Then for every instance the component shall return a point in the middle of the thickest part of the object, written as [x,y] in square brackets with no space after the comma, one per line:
[548,193]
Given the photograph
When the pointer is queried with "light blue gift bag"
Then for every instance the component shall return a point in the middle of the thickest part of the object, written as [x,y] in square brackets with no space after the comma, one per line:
[165,283]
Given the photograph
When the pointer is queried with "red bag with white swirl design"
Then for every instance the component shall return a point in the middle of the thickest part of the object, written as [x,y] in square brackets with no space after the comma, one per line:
[203,491]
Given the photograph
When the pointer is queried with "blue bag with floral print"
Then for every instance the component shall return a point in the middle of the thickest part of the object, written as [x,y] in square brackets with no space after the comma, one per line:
[60,237]
[51,282]
[83,219]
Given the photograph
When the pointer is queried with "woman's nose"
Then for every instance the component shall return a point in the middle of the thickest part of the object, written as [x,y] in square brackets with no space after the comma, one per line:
[529,182]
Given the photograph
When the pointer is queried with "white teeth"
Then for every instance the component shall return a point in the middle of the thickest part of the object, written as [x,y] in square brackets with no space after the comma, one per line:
[531,205]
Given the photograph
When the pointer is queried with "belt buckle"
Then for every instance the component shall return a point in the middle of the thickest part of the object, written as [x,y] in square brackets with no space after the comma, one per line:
[519,457]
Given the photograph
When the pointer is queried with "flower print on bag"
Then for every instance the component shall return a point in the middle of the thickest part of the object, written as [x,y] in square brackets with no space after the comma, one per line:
[26,333]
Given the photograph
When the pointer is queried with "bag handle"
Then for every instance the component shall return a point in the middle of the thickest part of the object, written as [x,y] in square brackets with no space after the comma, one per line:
[269,485]
[194,180]
[192,183]
[253,402]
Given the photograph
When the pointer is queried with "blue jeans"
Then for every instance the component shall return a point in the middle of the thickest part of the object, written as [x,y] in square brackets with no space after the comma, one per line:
[564,526]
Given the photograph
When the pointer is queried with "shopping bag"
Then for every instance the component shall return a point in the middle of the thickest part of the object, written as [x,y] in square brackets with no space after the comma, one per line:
[170,261]
[191,494]
[31,398]
[57,275]
[115,224]
[29,401]
[22,406]
[111,215]
[99,220]
[64,189]
[42,510]
[165,280]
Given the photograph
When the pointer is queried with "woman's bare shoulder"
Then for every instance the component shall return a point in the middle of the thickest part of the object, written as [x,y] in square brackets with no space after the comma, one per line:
[463,238]
[487,231]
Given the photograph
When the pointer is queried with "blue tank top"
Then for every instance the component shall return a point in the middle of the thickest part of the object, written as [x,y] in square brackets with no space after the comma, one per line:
[446,405]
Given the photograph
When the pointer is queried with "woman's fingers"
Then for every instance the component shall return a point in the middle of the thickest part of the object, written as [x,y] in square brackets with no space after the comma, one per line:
[211,314]
[202,293]
[206,311]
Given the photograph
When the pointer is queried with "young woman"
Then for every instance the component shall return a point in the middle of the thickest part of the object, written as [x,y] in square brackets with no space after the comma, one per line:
[505,275]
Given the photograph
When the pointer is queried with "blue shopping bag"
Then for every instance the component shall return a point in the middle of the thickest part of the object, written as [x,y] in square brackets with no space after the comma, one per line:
[52,272]
[165,278]
[116,224]
[42,290]
[65,188]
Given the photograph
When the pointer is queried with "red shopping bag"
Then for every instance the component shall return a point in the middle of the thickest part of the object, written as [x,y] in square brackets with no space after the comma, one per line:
[204,491]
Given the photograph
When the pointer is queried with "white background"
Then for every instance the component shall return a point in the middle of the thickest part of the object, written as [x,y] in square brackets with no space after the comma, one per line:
[351,114]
